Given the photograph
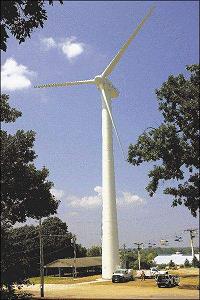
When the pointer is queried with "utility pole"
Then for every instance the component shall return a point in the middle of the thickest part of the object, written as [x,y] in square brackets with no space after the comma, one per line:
[192,236]
[124,260]
[73,240]
[41,260]
[138,248]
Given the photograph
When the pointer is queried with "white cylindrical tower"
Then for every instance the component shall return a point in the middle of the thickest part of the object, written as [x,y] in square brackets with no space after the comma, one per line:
[110,243]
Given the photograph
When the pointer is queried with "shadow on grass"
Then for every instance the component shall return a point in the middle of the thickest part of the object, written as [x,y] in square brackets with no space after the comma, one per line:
[189,287]
[15,294]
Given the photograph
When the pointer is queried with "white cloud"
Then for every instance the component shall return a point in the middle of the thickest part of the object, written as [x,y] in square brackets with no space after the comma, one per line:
[48,43]
[128,198]
[87,201]
[57,193]
[123,199]
[71,48]
[14,76]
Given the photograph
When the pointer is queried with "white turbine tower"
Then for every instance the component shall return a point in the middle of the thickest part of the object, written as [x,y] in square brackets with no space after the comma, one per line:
[110,244]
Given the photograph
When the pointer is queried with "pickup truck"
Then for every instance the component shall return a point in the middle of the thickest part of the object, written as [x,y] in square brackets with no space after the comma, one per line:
[149,273]
[167,280]
[122,275]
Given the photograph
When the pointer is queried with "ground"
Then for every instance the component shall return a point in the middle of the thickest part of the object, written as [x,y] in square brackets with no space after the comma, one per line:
[93,288]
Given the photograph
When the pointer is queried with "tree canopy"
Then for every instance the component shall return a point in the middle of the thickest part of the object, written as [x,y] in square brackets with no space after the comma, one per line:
[25,190]
[20,249]
[20,17]
[95,250]
[174,145]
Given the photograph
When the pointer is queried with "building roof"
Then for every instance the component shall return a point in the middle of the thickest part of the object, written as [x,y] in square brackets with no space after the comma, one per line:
[178,259]
[81,262]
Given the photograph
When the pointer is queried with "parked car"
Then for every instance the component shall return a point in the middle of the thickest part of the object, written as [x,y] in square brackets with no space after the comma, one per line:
[167,280]
[122,275]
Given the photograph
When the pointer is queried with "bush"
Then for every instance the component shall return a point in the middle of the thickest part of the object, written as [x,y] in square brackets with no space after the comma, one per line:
[171,264]
[195,262]
[161,266]
[187,263]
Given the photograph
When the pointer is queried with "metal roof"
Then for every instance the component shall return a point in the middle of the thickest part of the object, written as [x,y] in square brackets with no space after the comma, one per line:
[81,262]
[178,259]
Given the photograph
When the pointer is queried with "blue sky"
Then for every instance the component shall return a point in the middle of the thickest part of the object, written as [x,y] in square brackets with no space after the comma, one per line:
[77,42]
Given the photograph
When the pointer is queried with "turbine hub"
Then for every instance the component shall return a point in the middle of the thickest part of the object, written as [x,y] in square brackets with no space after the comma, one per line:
[98,79]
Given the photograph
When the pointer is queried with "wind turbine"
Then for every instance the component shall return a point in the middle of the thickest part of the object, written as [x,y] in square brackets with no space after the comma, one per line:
[110,243]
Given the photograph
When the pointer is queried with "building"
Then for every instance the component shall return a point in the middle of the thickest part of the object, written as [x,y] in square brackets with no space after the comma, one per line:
[83,265]
[178,258]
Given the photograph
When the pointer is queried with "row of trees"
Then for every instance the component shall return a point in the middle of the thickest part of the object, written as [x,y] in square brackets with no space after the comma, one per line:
[25,190]
[25,193]
[187,264]
[20,248]
[129,257]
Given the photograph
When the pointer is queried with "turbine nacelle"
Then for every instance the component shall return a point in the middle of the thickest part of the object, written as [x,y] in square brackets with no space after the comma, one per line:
[101,81]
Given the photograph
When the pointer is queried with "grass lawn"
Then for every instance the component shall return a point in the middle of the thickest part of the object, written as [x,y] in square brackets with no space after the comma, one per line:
[185,272]
[56,287]
[188,276]
[63,280]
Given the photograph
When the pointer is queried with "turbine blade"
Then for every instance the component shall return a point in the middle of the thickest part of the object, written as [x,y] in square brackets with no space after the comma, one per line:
[69,83]
[112,120]
[108,70]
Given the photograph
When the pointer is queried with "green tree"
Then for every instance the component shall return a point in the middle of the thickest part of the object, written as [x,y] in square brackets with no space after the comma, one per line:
[21,251]
[81,251]
[128,258]
[21,17]
[174,145]
[195,262]
[150,259]
[57,240]
[25,190]
[162,266]
[146,259]
[94,251]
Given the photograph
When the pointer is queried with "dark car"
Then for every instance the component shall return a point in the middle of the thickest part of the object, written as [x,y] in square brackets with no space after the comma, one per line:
[167,280]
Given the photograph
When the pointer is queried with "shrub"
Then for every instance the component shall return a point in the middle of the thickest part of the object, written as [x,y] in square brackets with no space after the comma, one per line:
[187,263]
[171,264]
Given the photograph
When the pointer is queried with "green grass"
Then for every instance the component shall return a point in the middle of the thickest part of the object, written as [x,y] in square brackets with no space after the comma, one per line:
[188,276]
[63,280]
